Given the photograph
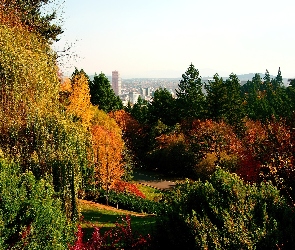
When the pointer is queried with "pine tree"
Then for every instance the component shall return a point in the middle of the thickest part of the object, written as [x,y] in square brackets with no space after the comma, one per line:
[190,97]
[215,98]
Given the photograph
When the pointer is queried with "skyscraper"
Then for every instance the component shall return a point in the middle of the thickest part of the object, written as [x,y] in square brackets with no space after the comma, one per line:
[116,82]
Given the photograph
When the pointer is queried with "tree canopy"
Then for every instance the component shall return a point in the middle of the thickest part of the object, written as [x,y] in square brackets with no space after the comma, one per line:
[29,14]
[103,95]
[190,97]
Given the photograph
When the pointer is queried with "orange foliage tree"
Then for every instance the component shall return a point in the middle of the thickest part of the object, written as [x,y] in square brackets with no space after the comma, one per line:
[213,144]
[107,153]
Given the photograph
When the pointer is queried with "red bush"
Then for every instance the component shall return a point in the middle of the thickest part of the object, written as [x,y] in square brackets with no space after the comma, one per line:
[122,186]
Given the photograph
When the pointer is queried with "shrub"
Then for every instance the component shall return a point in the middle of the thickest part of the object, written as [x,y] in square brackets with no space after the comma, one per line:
[30,216]
[127,201]
[226,213]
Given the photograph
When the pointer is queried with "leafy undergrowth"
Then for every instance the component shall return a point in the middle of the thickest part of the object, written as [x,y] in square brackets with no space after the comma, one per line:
[150,193]
[105,218]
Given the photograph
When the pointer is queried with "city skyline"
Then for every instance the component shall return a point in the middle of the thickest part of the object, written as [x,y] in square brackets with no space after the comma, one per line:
[159,39]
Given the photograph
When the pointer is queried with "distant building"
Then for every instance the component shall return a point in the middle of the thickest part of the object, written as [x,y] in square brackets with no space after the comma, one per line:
[133,97]
[145,92]
[116,82]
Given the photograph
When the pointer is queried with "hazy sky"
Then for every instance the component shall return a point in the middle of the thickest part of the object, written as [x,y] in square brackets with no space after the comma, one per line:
[160,38]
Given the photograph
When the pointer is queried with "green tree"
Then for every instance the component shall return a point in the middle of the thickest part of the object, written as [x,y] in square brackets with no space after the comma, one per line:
[224,101]
[31,215]
[290,91]
[254,92]
[234,112]
[190,97]
[266,98]
[215,98]
[140,111]
[278,98]
[163,107]
[103,95]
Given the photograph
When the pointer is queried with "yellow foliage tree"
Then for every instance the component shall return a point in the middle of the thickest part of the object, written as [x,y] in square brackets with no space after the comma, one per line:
[79,100]
[34,130]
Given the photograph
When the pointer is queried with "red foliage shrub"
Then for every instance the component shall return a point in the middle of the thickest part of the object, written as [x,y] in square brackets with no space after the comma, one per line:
[269,155]
[122,186]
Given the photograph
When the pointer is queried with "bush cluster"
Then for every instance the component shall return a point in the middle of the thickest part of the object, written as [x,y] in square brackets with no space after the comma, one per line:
[30,216]
[127,201]
[226,213]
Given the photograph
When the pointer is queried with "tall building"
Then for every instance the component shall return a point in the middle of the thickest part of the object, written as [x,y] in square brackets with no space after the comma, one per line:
[116,82]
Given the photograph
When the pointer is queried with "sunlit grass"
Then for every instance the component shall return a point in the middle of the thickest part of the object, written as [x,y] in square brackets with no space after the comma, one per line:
[105,218]
[150,193]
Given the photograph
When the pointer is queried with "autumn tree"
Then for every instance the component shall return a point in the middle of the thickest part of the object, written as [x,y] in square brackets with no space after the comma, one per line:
[213,144]
[79,100]
[107,149]
[30,15]
[35,131]
[132,133]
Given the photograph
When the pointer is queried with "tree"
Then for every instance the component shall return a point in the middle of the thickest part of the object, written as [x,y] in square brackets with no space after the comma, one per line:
[266,98]
[291,96]
[216,98]
[79,99]
[108,149]
[234,111]
[256,104]
[140,111]
[29,14]
[35,130]
[278,97]
[190,97]
[224,100]
[103,95]
[163,107]
[133,135]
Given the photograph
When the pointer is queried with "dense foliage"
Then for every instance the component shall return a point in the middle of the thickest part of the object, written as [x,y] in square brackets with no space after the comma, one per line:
[30,215]
[29,14]
[103,95]
[225,213]
[58,142]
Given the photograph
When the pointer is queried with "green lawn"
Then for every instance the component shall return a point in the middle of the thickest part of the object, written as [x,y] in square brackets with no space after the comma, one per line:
[105,218]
